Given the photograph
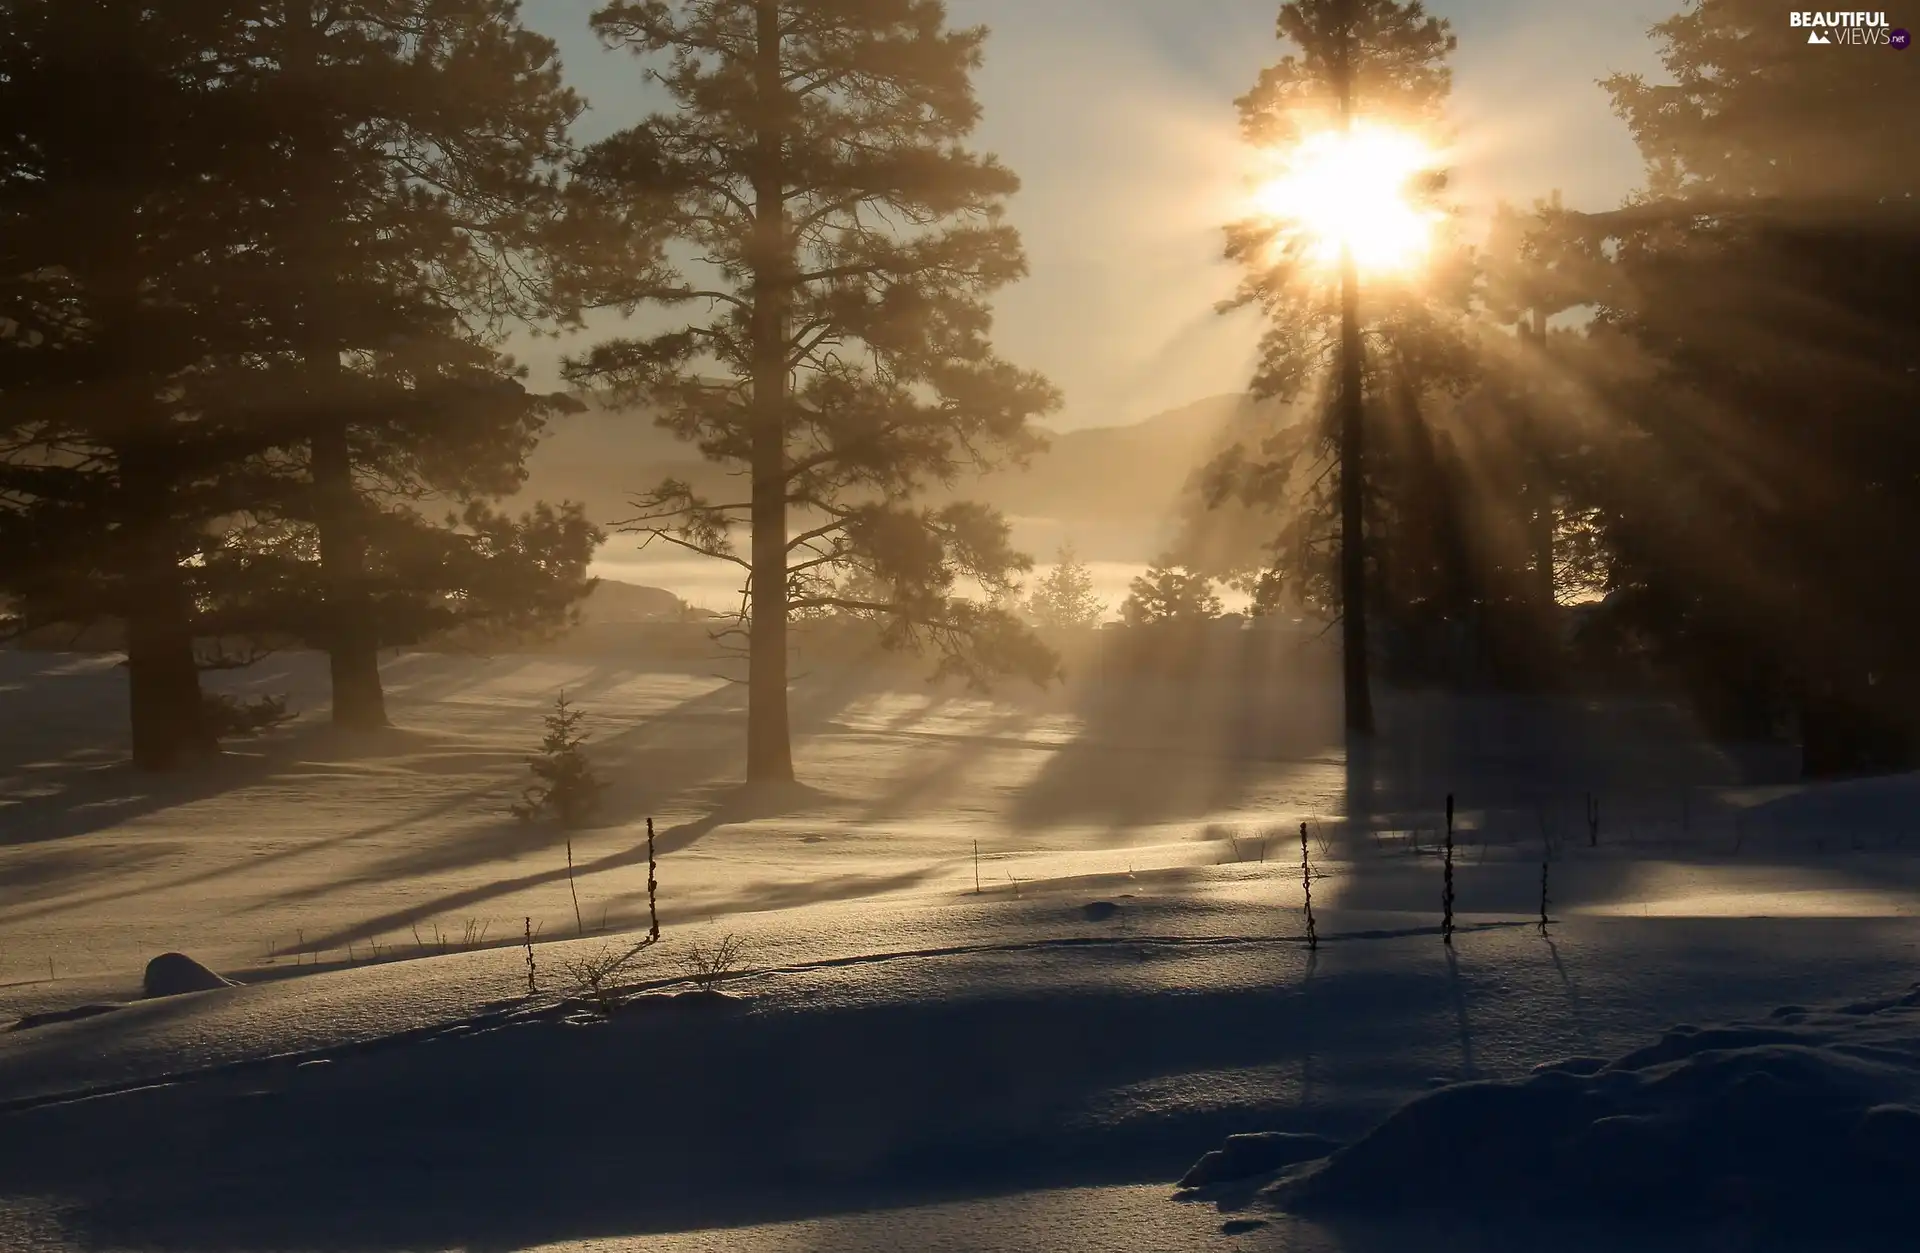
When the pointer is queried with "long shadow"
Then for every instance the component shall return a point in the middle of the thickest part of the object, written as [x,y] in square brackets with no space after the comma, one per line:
[737,805]
[1456,988]
[816,891]
[546,1132]
[1575,1004]
[25,877]
[319,745]
[1159,749]
[75,794]
[1516,763]
[667,761]
[917,789]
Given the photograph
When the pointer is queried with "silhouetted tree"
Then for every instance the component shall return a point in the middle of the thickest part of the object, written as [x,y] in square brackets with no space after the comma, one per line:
[1768,271]
[565,786]
[126,167]
[417,152]
[1354,62]
[1064,596]
[1169,594]
[256,253]
[849,246]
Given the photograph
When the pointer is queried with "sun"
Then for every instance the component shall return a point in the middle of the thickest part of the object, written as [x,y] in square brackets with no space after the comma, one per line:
[1355,188]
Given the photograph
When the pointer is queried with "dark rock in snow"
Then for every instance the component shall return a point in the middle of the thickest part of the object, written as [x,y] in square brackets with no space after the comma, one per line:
[1259,1153]
[171,974]
[51,1016]
[1099,911]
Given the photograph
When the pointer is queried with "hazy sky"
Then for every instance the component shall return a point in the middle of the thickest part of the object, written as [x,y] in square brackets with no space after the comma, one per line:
[1118,117]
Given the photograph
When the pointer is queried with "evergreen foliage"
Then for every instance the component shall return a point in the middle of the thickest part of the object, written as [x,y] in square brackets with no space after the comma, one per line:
[1063,597]
[841,358]
[565,787]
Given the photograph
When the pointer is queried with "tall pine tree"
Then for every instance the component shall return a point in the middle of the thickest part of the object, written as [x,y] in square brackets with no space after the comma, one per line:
[1768,271]
[849,244]
[127,165]
[417,147]
[1355,64]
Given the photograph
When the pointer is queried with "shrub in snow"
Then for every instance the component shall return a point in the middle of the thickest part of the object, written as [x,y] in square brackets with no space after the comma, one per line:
[708,966]
[1807,1122]
[229,716]
[594,975]
[564,784]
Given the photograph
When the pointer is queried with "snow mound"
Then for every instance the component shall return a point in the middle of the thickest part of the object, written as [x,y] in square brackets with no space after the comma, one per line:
[1806,1122]
[1255,1154]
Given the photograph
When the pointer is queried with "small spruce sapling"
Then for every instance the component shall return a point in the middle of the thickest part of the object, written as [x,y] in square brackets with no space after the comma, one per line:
[565,785]
[228,716]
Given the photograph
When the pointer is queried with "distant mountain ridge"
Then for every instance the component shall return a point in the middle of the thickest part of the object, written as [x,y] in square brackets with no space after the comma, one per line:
[1091,477]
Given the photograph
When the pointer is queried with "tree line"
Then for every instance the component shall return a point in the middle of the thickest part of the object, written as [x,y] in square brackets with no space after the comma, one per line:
[1693,415]
[259,259]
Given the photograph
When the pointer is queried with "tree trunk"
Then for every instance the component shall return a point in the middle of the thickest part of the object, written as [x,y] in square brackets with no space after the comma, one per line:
[1539,505]
[163,690]
[1353,553]
[352,634]
[769,741]
[349,628]
[166,712]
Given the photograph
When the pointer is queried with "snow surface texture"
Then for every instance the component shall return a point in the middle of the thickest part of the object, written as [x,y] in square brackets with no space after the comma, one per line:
[1030,1064]
[1804,1126]
[309,848]
[1002,1067]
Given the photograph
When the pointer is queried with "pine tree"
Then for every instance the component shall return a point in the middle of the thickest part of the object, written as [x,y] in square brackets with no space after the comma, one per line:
[565,787]
[1356,62]
[1064,598]
[255,255]
[127,164]
[1169,594]
[1767,272]
[814,158]
[417,205]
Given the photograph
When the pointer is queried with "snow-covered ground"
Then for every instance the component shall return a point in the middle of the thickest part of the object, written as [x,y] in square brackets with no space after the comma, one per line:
[911,1061]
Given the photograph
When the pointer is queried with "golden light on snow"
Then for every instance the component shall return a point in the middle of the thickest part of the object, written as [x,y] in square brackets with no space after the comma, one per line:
[1357,188]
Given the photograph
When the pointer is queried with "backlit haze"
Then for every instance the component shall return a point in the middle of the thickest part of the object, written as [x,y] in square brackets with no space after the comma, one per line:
[1118,117]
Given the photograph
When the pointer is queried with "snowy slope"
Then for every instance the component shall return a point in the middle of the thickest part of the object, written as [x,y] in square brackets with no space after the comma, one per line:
[848,1086]
[915,1061]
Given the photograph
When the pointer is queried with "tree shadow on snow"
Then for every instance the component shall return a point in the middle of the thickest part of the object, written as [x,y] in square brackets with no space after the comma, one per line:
[542,1133]
[740,803]
[1160,749]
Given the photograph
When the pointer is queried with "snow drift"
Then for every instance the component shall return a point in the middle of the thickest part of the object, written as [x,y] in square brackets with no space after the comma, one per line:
[1807,1122]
